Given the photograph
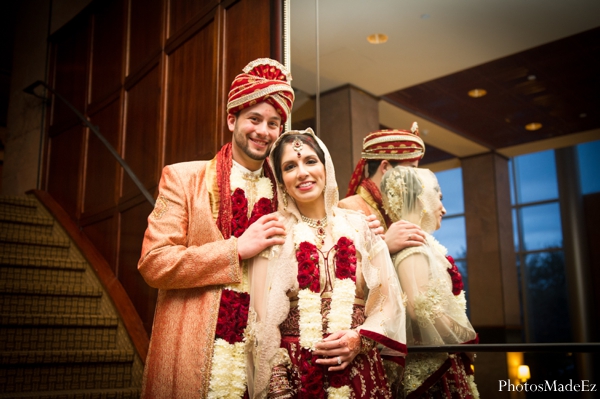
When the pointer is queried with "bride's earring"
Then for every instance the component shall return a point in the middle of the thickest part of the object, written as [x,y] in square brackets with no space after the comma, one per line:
[284,199]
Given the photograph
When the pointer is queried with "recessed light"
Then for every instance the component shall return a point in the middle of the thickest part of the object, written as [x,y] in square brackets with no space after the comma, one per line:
[476,93]
[533,126]
[377,38]
[531,77]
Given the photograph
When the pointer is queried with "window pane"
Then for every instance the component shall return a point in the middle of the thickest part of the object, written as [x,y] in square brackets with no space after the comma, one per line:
[515,230]
[541,227]
[453,236]
[589,166]
[536,177]
[512,181]
[452,190]
[547,297]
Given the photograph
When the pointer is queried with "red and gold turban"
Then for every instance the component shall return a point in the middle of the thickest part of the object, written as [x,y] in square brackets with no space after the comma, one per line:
[262,80]
[391,145]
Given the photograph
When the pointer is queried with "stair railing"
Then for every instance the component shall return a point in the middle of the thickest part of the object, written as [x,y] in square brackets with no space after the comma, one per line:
[30,90]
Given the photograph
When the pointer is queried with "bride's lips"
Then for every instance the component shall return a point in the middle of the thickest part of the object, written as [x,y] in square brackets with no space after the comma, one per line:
[305,186]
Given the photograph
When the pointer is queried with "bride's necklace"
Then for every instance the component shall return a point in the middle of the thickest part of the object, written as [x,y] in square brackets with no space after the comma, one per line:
[319,225]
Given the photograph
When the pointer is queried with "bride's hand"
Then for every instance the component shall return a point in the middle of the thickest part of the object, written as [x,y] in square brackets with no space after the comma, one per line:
[338,349]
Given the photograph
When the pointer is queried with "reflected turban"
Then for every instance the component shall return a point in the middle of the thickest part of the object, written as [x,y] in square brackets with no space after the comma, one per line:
[391,145]
[262,80]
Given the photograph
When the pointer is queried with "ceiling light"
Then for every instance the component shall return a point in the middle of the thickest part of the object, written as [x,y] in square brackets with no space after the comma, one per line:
[476,93]
[377,38]
[533,126]
[531,77]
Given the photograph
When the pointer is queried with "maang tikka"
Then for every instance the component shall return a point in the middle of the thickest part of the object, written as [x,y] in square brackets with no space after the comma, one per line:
[297,146]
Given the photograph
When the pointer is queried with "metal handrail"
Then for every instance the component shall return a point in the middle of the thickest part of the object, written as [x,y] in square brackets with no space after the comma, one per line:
[30,90]
[549,347]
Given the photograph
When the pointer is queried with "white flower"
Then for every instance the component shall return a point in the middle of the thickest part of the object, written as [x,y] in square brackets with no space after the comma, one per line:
[303,233]
[228,373]
[311,325]
[342,300]
[461,300]
[338,393]
[264,188]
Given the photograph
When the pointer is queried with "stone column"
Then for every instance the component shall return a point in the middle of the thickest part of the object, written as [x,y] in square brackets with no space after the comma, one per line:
[493,282]
[348,114]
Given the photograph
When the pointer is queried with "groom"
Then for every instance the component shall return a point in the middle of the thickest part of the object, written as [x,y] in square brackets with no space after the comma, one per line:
[209,218]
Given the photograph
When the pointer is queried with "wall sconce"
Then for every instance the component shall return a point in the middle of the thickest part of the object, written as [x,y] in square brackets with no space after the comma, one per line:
[523,373]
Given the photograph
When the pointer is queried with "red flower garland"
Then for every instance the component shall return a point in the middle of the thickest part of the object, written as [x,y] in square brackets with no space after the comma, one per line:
[233,308]
[345,259]
[311,377]
[239,211]
[307,256]
[457,283]
[233,316]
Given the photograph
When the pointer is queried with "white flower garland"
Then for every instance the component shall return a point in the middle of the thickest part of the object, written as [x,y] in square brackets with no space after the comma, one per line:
[264,187]
[228,374]
[309,303]
[338,393]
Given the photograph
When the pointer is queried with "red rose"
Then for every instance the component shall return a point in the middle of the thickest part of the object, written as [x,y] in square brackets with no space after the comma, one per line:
[342,273]
[304,280]
[455,276]
[306,265]
[302,256]
[338,379]
[315,286]
[344,241]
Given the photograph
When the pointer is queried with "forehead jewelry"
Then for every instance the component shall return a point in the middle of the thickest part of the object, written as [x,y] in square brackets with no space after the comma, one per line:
[297,146]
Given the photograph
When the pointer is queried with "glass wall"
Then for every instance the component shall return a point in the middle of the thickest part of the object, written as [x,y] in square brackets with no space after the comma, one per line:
[538,246]
[453,234]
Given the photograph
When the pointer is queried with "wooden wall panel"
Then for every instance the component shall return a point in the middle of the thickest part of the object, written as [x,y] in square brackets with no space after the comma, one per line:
[167,105]
[103,233]
[238,53]
[64,169]
[133,226]
[107,60]
[182,13]
[146,28]
[192,99]
[101,167]
[142,133]
[70,79]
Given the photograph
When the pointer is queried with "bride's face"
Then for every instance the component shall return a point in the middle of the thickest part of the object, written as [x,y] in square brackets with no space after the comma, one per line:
[438,208]
[303,176]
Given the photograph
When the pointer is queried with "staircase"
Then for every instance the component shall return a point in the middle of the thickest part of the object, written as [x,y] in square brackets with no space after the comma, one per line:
[60,334]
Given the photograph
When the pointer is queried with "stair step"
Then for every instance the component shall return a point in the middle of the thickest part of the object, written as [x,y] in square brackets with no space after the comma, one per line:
[20,205]
[17,269]
[56,332]
[32,371]
[49,298]
[36,245]
[25,223]
[124,393]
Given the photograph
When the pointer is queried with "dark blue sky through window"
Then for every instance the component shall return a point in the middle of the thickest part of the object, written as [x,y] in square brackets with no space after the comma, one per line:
[589,166]
[536,177]
[452,190]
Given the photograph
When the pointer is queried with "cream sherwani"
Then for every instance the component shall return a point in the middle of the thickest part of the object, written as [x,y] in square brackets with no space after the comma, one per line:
[185,256]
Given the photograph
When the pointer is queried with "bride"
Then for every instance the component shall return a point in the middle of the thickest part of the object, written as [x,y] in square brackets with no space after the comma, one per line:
[325,299]
[436,306]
